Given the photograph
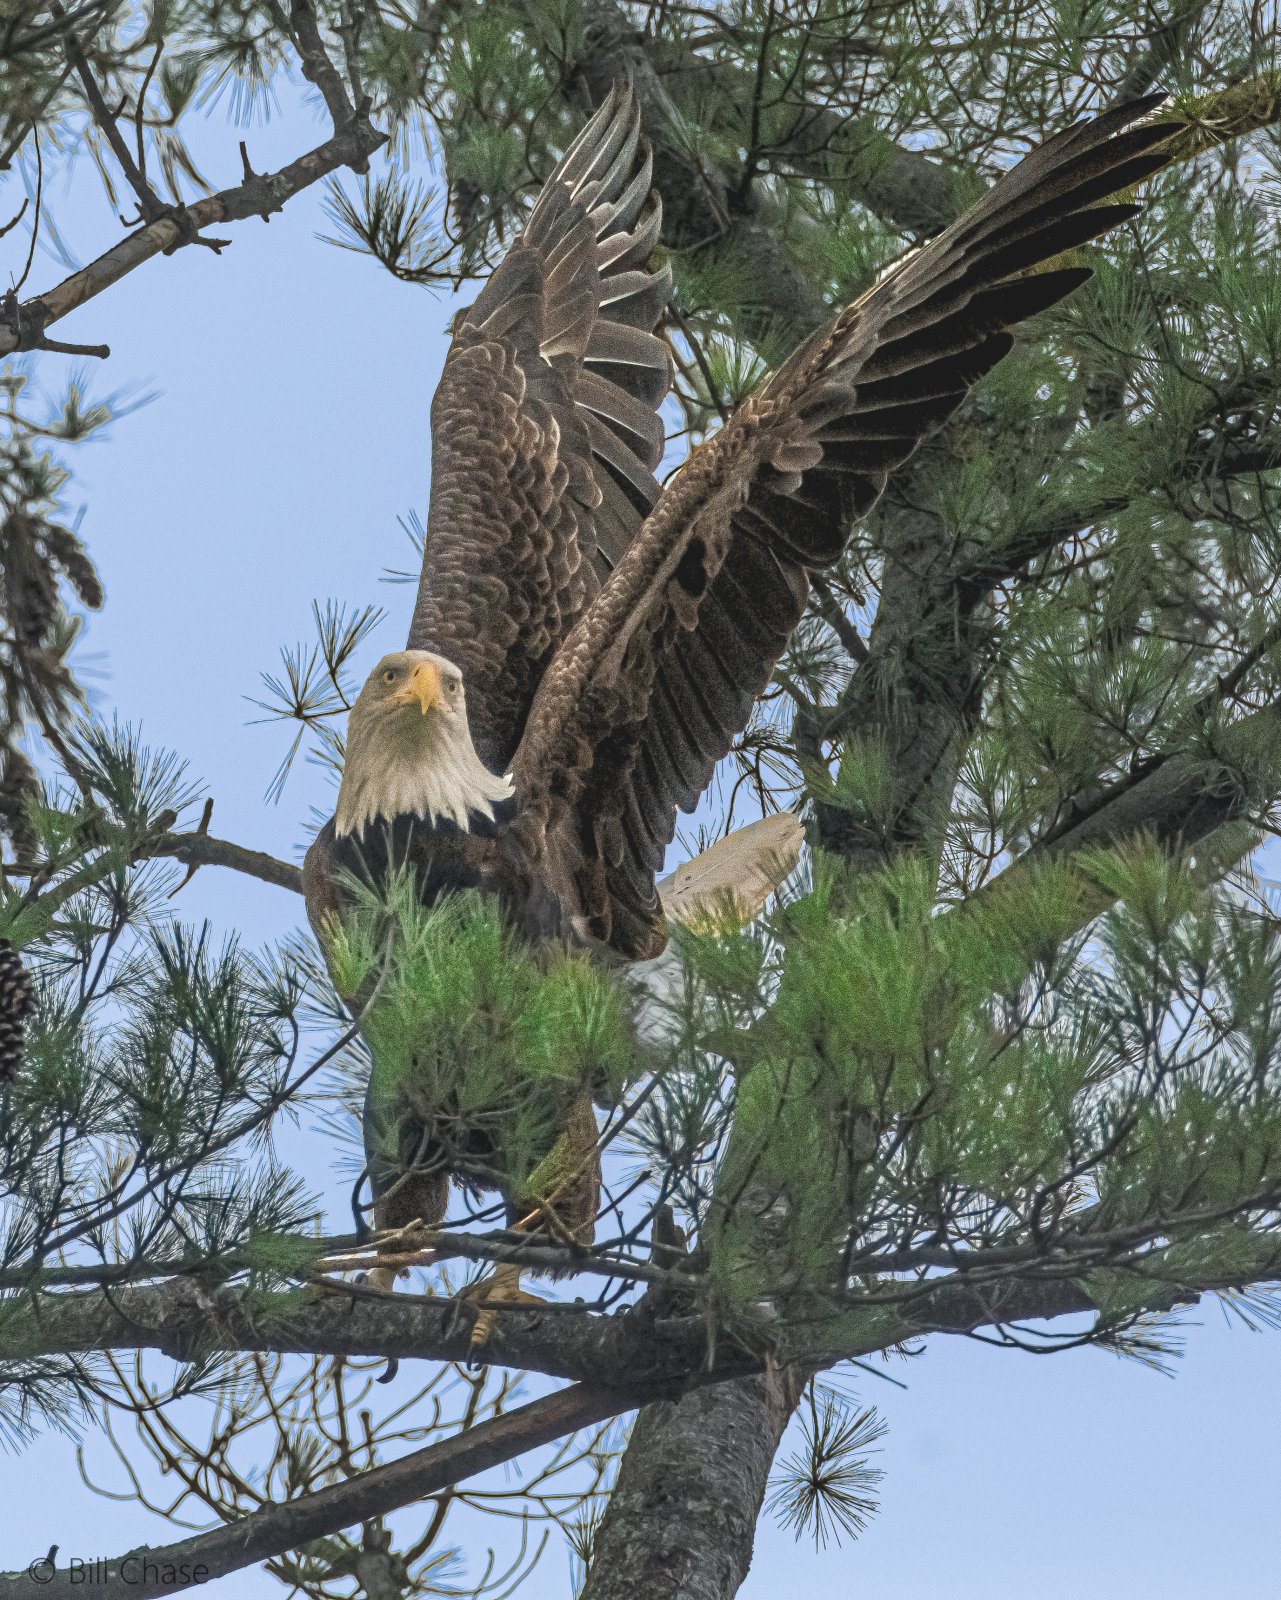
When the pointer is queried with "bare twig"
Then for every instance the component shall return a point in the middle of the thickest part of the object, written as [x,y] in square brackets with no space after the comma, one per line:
[35,218]
[62,348]
[203,850]
[150,205]
[17,218]
[147,1573]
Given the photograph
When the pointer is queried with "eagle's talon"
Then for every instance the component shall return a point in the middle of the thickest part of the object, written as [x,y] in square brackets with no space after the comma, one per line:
[499,1288]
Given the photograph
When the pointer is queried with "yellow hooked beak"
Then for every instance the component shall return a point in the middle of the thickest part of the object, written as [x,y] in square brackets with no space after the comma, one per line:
[422,688]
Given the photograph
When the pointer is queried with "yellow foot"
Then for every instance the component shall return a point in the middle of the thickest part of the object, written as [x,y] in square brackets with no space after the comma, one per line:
[499,1288]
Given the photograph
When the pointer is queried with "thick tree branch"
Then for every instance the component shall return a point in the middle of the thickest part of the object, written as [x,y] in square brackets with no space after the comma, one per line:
[757,1408]
[182,1318]
[1215,119]
[1177,799]
[648,1347]
[147,1573]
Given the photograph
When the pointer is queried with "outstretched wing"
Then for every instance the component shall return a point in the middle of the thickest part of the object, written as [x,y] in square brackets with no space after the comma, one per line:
[661,673]
[545,430]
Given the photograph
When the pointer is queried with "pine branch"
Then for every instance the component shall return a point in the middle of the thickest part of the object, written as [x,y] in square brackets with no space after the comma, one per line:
[194,849]
[183,1318]
[352,1252]
[1215,119]
[1165,47]
[22,327]
[1174,799]
[932,601]
[63,22]
[317,68]
[701,203]
[989,567]
[904,187]
[194,1320]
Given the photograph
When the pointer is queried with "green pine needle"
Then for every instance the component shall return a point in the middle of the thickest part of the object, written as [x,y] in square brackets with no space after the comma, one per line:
[827,1487]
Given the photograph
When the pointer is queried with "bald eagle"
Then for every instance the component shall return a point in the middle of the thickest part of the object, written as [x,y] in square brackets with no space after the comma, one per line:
[585,647]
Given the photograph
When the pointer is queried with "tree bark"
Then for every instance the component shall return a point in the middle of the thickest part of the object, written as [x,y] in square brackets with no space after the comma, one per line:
[681,1520]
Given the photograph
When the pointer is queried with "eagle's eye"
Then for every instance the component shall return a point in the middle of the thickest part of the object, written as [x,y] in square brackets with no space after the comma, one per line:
[389,675]
[453,685]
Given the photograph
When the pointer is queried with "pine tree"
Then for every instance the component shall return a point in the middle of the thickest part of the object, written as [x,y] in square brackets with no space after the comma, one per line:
[1008,1048]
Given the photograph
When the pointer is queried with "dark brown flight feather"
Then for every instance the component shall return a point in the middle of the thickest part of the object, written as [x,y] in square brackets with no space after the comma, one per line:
[661,670]
[545,428]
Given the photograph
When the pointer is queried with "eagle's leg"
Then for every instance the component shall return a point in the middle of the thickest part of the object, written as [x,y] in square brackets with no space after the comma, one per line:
[407,1188]
[415,1199]
[560,1198]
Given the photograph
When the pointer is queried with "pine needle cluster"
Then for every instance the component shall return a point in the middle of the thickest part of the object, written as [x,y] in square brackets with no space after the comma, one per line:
[469,1031]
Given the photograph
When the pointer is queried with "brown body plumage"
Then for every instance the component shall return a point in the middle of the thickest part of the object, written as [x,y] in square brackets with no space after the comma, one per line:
[612,641]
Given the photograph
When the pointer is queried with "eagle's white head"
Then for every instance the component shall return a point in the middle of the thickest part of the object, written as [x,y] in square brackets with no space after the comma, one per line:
[409,750]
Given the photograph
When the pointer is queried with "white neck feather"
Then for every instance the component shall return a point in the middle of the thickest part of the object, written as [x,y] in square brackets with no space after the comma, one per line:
[425,768]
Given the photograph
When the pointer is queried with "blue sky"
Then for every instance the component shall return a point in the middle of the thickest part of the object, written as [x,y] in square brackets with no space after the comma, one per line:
[288,435]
